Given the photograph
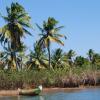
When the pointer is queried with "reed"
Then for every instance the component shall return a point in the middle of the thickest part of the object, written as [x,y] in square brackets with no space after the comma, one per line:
[48,78]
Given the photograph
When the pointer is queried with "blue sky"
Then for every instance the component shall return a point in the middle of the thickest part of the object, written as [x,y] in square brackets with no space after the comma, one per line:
[81,19]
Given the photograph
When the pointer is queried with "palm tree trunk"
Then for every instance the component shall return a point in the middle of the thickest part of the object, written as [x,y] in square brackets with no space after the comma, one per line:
[13,59]
[49,57]
[13,54]
[50,67]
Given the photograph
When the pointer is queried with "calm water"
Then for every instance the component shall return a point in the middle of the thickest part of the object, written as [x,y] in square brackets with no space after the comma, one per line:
[87,94]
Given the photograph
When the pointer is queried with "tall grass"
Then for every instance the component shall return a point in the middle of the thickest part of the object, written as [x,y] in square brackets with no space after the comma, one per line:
[48,78]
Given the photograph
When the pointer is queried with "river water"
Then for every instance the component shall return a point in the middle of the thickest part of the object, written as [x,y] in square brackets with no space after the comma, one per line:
[85,94]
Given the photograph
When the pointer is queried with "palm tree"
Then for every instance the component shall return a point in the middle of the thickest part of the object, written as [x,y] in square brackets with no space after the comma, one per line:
[91,57]
[81,61]
[96,61]
[37,58]
[6,58]
[21,57]
[49,33]
[58,59]
[17,22]
[70,55]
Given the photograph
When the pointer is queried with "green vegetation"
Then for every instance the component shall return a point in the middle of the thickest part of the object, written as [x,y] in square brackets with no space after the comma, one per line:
[11,33]
[41,66]
[49,34]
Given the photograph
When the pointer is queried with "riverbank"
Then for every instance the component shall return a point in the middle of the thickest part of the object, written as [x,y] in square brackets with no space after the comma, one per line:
[9,93]
[45,90]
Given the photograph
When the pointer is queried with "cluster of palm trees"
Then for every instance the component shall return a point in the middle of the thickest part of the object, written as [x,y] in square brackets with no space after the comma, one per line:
[18,23]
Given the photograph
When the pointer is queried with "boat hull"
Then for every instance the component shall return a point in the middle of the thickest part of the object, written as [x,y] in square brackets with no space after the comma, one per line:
[30,92]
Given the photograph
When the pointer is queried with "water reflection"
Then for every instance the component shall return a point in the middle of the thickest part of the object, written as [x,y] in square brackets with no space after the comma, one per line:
[41,98]
[9,98]
[30,98]
[87,94]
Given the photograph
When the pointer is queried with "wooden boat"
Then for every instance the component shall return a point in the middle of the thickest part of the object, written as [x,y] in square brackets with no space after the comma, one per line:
[30,92]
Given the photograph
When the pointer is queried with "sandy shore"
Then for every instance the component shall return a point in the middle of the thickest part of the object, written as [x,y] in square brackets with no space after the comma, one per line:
[45,90]
[9,93]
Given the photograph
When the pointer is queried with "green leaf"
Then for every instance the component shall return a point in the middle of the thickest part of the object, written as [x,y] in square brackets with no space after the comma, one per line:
[56,40]
[27,32]
[41,29]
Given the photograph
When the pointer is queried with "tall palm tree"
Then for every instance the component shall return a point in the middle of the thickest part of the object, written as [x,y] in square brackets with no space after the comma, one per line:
[17,22]
[49,33]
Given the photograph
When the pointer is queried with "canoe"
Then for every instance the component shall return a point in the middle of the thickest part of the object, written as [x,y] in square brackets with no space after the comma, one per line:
[30,92]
